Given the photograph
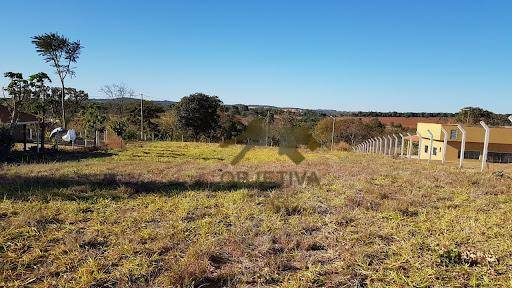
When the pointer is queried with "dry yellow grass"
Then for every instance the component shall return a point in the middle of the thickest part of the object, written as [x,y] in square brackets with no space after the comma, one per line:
[157,216]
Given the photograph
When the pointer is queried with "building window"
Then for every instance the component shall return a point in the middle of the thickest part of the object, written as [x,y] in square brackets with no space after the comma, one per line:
[499,157]
[453,134]
[426,148]
[434,151]
[471,154]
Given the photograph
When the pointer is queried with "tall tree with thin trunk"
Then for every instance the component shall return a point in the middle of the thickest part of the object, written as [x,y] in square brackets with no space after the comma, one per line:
[61,53]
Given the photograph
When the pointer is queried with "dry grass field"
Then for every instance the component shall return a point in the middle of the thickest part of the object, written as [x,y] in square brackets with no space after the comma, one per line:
[158,215]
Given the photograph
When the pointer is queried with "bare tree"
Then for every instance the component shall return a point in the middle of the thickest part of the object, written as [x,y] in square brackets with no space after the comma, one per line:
[117,92]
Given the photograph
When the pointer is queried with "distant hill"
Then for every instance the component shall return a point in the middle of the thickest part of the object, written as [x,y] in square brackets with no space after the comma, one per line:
[360,114]
[130,100]
[407,121]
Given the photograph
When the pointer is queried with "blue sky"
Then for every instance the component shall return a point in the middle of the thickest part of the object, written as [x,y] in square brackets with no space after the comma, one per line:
[434,56]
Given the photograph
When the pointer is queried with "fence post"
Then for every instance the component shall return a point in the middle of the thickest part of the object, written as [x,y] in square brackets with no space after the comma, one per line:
[380,145]
[486,145]
[385,145]
[390,145]
[24,126]
[420,142]
[402,145]
[430,148]
[445,142]
[409,146]
[37,141]
[396,144]
[462,144]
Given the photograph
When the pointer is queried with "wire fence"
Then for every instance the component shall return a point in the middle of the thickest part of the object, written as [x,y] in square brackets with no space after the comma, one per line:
[431,148]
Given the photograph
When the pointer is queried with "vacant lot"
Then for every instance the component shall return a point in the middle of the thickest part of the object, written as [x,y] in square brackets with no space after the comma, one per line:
[158,215]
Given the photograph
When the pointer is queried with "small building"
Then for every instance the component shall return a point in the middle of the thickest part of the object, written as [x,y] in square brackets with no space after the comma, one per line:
[24,129]
[499,149]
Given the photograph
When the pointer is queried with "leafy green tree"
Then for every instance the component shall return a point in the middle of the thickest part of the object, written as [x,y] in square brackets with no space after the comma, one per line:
[309,119]
[131,134]
[40,101]
[19,92]
[323,131]
[230,127]
[61,53]
[167,124]
[94,119]
[473,116]
[151,111]
[350,130]
[76,101]
[199,114]
[119,127]
[375,127]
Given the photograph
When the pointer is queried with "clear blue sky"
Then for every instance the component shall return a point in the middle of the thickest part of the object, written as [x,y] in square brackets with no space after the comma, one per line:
[346,55]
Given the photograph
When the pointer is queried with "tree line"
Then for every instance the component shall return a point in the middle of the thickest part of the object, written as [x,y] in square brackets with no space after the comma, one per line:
[197,117]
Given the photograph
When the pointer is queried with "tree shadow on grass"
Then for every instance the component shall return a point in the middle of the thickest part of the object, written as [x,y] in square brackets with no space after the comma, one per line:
[50,155]
[110,186]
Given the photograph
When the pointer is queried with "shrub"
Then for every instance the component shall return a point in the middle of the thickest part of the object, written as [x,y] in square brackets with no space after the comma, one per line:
[115,142]
[119,127]
[130,134]
[342,146]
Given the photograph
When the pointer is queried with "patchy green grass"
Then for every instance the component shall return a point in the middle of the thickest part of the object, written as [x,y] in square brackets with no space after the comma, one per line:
[157,215]
[178,151]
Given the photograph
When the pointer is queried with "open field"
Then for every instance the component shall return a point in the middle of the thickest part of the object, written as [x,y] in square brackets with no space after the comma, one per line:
[158,215]
[407,122]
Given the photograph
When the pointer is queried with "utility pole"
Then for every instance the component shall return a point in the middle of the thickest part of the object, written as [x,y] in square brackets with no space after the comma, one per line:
[266,130]
[332,134]
[141,117]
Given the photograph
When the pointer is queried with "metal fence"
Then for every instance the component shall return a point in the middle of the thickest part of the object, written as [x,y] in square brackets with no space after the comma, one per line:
[394,145]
